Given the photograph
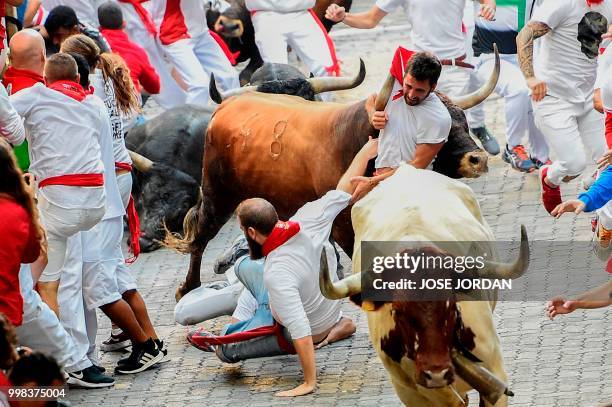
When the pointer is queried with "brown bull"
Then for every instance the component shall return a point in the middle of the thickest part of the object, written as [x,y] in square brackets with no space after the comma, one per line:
[291,151]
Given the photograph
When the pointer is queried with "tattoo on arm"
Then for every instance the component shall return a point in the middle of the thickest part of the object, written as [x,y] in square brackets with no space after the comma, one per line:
[524,42]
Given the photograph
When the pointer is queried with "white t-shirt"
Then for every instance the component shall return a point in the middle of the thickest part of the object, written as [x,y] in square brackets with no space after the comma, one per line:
[436,25]
[569,74]
[426,123]
[284,6]
[291,272]
[114,202]
[11,125]
[604,62]
[106,92]
[63,136]
[606,92]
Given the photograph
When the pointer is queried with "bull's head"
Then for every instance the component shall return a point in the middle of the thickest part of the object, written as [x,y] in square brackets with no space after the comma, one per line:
[460,157]
[163,195]
[424,331]
[225,18]
[317,85]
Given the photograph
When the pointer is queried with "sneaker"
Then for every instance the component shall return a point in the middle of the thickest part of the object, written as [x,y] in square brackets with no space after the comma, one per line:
[518,159]
[486,139]
[143,357]
[90,378]
[239,248]
[200,332]
[551,197]
[118,340]
[99,368]
[162,347]
[539,164]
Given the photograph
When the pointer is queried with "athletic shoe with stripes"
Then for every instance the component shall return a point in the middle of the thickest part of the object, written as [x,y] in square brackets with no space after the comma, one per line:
[144,356]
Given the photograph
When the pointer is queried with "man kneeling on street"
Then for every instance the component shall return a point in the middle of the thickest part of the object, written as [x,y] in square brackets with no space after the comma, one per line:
[285,286]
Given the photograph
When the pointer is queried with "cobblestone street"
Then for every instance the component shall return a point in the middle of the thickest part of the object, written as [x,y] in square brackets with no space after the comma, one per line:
[566,362]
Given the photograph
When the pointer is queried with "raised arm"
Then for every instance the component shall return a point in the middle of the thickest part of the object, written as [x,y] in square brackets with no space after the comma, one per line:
[524,43]
[368,19]
[351,180]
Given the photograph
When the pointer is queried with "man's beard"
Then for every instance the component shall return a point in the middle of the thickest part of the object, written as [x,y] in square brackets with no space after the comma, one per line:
[255,249]
[415,102]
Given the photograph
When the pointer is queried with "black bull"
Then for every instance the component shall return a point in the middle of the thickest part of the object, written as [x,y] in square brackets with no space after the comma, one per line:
[223,189]
[234,25]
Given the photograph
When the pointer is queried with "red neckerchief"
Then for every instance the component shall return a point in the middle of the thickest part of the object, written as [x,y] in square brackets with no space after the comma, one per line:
[282,232]
[398,67]
[594,2]
[144,15]
[70,89]
[232,56]
[17,79]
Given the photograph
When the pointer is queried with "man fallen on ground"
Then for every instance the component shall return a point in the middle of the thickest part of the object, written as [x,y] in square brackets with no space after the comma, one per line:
[286,285]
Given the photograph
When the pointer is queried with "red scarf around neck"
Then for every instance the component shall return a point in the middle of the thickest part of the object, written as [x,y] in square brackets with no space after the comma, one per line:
[594,2]
[282,232]
[17,79]
[70,89]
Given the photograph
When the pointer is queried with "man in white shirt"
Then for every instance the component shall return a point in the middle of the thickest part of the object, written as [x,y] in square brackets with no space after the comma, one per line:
[293,23]
[195,54]
[292,253]
[63,133]
[562,85]
[436,28]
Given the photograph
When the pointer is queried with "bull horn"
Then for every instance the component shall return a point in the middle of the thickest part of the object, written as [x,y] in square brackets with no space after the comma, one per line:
[328,84]
[477,97]
[516,269]
[384,94]
[142,164]
[346,287]
[217,96]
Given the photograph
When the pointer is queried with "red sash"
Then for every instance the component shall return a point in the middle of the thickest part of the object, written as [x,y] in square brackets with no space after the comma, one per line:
[133,220]
[334,69]
[74,180]
[282,232]
[144,15]
[276,330]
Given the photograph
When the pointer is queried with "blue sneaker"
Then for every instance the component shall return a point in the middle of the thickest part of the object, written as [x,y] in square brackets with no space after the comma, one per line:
[488,142]
[518,159]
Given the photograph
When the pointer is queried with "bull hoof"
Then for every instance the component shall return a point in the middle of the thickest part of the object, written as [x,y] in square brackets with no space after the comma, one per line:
[183,289]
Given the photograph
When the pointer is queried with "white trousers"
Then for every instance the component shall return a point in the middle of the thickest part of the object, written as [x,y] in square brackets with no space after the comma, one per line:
[299,30]
[519,110]
[194,60]
[60,224]
[572,130]
[70,296]
[41,329]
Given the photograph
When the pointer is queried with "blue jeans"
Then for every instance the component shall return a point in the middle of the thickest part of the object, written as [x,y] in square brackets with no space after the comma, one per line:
[250,274]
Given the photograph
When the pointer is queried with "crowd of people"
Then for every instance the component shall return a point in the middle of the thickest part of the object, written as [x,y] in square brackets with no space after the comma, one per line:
[74,84]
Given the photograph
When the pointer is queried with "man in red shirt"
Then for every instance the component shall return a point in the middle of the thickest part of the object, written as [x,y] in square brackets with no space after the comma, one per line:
[111,26]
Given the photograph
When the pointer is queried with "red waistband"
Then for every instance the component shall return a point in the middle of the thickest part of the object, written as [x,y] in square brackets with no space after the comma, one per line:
[74,180]
[123,166]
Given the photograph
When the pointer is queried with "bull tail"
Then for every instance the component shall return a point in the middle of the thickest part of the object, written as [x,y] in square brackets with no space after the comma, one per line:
[186,243]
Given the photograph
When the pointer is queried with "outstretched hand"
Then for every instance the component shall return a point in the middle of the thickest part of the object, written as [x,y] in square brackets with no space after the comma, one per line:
[573,205]
[605,160]
[559,306]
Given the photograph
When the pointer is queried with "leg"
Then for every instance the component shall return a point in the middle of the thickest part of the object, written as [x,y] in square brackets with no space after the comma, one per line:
[342,330]
[213,60]
[138,306]
[269,37]
[190,70]
[592,132]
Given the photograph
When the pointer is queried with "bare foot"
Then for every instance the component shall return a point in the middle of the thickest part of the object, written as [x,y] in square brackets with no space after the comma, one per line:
[342,330]
[301,390]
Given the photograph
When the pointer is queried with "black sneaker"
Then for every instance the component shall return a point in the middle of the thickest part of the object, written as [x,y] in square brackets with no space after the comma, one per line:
[239,248]
[518,159]
[99,368]
[486,139]
[117,340]
[90,378]
[163,349]
[144,355]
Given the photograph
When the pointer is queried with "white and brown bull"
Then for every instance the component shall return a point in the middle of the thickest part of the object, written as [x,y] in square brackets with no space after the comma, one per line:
[418,341]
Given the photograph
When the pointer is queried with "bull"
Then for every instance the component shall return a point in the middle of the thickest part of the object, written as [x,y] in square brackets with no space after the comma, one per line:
[234,25]
[167,150]
[290,151]
[422,343]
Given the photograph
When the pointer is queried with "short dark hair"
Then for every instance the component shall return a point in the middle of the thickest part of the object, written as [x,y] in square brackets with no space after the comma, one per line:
[60,67]
[424,66]
[60,17]
[82,67]
[110,16]
[8,342]
[37,368]
[258,214]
